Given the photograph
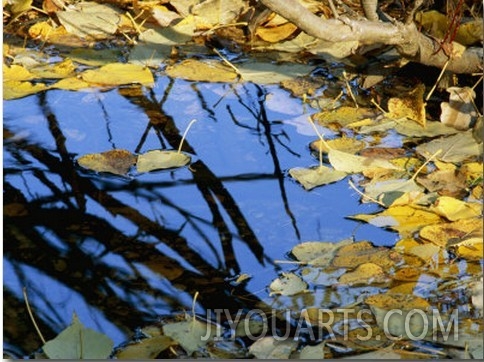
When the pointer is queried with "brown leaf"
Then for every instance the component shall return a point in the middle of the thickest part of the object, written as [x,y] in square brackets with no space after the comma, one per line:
[116,161]
[409,105]
[445,182]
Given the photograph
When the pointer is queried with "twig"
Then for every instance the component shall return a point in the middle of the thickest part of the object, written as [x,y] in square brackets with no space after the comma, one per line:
[226,61]
[352,185]
[425,164]
[24,290]
[438,80]
[185,134]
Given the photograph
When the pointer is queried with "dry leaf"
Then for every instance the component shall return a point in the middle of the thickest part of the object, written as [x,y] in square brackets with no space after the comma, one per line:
[118,74]
[316,176]
[350,256]
[161,159]
[203,71]
[410,105]
[364,274]
[117,161]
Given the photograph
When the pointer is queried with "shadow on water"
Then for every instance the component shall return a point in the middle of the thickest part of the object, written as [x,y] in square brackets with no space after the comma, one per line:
[121,252]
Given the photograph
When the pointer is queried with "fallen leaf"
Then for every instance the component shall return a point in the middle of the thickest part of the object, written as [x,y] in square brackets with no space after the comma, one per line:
[277,33]
[13,89]
[344,144]
[445,182]
[260,72]
[95,57]
[342,161]
[410,105]
[270,348]
[364,274]
[343,115]
[78,342]
[353,255]
[316,176]
[453,209]
[456,148]
[191,334]
[202,71]
[118,74]
[89,19]
[317,253]
[16,73]
[147,348]
[444,234]
[287,284]
[116,161]
[161,159]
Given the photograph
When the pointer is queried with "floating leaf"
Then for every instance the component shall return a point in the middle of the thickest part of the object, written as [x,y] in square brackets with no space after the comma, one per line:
[161,159]
[202,71]
[270,73]
[313,352]
[343,115]
[405,219]
[406,324]
[349,163]
[364,274]
[72,83]
[344,144]
[147,348]
[445,182]
[387,191]
[13,89]
[276,34]
[316,176]
[409,105]
[78,342]
[191,334]
[457,148]
[117,161]
[16,73]
[117,74]
[59,70]
[95,57]
[353,255]
[453,209]
[317,253]
[210,13]
[89,19]
[288,284]
[270,348]
[470,249]
[445,234]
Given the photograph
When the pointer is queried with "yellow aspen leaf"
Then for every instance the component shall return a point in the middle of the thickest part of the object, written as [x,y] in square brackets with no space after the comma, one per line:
[13,89]
[17,73]
[405,219]
[471,249]
[349,163]
[453,209]
[204,71]
[350,256]
[71,83]
[443,234]
[117,74]
[277,33]
[345,144]
[116,161]
[410,105]
[63,69]
[364,274]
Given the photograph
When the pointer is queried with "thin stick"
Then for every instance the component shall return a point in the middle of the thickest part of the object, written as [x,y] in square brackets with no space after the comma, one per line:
[348,88]
[438,80]
[193,304]
[226,61]
[363,195]
[290,262]
[378,106]
[31,315]
[185,134]
[425,164]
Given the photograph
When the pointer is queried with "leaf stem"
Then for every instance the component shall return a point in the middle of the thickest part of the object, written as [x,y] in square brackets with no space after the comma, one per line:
[322,140]
[185,134]
[31,315]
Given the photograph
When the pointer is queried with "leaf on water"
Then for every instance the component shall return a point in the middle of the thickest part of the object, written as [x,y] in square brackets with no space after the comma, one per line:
[445,182]
[318,253]
[89,19]
[353,255]
[78,342]
[405,219]
[59,70]
[72,83]
[382,354]
[161,159]
[118,74]
[446,234]
[316,176]
[95,57]
[19,6]
[349,163]
[147,348]
[13,89]
[431,129]
[16,73]
[270,348]
[470,249]
[271,73]
[343,115]
[313,352]
[459,112]
[288,284]
[117,161]
[344,144]
[410,105]
[191,334]
[382,190]
[202,71]
[406,324]
[453,209]
[456,148]
[364,274]
[321,277]
[210,13]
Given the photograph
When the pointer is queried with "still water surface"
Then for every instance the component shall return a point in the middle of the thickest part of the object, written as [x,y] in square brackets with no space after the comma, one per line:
[121,252]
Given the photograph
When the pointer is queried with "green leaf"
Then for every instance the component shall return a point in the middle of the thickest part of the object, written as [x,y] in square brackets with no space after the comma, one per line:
[316,176]
[78,342]
[158,159]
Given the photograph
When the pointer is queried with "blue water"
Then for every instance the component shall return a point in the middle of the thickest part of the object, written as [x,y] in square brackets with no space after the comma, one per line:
[246,136]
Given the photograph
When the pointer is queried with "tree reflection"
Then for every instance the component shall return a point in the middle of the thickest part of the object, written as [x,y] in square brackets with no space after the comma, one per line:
[68,225]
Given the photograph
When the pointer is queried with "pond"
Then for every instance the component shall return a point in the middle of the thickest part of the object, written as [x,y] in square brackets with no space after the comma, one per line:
[121,252]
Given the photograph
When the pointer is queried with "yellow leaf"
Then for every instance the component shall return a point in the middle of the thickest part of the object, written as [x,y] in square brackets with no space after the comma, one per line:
[345,144]
[405,219]
[350,256]
[410,105]
[453,209]
[276,34]
[364,274]
[16,72]
[204,71]
[343,115]
[471,249]
[13,89]
[72,83]
[119,73]
[443,234]
[349,163]
[62,69]
[117,161]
